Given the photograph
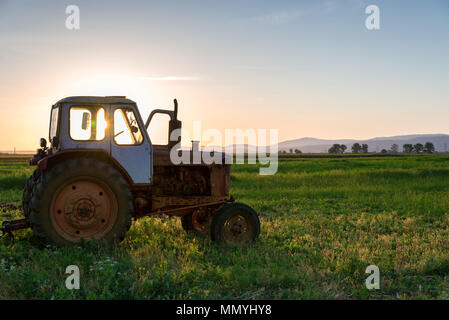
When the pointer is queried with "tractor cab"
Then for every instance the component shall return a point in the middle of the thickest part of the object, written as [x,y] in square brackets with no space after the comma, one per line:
[110,125]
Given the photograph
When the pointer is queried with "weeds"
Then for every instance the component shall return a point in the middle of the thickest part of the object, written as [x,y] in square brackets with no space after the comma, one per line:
[323,222]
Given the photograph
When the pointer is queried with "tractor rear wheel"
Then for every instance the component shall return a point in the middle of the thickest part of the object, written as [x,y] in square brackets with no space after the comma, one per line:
[235,223]
[28,192]
[81,199]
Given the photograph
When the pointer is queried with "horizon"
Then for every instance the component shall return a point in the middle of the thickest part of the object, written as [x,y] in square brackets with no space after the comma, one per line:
[307,68]
[18,151]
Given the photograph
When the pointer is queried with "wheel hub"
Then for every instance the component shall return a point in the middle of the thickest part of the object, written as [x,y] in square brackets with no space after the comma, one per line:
[237,229]
[83,209]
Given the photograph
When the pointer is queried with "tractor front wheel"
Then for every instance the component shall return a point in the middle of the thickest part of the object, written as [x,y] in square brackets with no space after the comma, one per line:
[235,223]
[81,199]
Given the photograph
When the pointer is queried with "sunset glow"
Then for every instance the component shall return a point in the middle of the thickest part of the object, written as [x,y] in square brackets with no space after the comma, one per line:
[307,68]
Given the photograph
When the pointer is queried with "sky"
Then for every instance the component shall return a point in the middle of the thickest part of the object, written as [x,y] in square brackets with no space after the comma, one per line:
[307,68]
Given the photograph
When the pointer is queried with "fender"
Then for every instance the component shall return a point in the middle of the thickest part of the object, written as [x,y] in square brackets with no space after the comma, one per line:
[100,154]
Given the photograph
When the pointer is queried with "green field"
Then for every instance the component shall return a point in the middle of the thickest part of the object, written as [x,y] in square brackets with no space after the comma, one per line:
[323,222]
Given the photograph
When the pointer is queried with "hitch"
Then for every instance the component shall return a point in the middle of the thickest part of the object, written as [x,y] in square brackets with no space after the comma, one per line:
[9,226]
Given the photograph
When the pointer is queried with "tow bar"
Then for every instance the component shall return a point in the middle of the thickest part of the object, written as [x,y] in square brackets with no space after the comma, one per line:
[9,226]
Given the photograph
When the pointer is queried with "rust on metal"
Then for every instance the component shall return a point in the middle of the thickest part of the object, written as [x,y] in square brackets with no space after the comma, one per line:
[167,205]
[83,209]
[161,157]
[167,201]
[202,219]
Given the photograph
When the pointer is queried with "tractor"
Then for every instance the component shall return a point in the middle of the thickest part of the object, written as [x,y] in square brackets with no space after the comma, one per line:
[101,172]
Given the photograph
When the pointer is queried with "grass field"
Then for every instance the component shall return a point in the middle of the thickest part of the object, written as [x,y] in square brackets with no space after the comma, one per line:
[323,222]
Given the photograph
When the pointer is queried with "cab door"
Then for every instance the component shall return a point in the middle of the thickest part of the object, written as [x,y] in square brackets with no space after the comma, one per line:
[130,145]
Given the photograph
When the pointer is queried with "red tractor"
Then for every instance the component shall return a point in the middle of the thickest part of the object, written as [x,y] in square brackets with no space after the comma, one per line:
[101,171]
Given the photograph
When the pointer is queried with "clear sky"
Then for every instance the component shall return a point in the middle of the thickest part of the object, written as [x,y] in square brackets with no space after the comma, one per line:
[308,68]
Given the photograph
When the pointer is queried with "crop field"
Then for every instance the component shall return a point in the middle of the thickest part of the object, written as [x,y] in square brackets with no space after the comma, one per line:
[323,221]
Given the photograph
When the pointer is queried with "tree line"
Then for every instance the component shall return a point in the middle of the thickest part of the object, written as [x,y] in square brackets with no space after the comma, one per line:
[336,148]
[428,147]
[297,151]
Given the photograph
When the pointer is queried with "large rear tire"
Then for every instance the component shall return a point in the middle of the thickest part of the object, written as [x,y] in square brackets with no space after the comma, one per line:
[235,223]
[81,199]
[28,192]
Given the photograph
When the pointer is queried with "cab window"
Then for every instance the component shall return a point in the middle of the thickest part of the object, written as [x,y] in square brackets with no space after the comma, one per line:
[54,122]
[158,129]
[126,128]
[87,123]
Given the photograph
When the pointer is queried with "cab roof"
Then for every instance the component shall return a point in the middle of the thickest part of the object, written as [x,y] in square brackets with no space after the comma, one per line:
[96,99]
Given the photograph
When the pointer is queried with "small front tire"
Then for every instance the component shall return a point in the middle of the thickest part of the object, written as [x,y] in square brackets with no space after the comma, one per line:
[235,223]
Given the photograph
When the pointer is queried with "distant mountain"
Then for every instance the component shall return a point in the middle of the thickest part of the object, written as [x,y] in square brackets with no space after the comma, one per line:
[314,145]
[317,145]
